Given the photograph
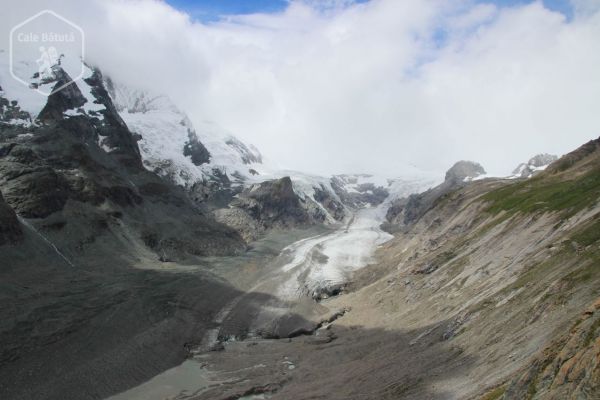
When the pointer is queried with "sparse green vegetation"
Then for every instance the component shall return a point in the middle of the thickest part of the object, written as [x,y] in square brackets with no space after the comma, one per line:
[591,335]
[444,257]
[458,265]
[444,199]
[582,274]
[589,235]
[532,389]
[535,273]
[546,194]
[494,394]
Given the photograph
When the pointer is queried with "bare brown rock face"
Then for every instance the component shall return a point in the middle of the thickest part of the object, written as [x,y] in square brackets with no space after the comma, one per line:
[569,368]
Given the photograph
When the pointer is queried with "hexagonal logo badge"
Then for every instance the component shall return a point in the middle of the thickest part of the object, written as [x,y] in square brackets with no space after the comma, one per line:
[43,45]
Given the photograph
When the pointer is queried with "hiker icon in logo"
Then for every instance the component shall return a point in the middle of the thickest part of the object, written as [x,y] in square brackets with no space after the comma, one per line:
[38,48]
[48,59]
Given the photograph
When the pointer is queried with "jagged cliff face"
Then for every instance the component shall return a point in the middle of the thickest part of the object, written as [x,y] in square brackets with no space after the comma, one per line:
[80,166]
[267,205]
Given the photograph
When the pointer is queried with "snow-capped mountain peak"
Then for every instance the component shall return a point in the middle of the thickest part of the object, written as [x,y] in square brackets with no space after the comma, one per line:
[535,164]
[175,148]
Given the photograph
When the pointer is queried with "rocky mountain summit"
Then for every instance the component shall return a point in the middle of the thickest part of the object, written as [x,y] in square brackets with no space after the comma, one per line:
[534,165]
[406,211]
[75,158]
[463,171]
[222,174]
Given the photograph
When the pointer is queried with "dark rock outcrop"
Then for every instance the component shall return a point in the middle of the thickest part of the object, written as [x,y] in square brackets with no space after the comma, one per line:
[195,149]
[37,193]
[10,110]
[463,171]
[272,202]
[330,203]
[67,98]
[10,229]
[266,205]
[80,167]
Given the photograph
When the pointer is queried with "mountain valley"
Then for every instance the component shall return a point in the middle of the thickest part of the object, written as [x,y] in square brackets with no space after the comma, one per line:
[145,257]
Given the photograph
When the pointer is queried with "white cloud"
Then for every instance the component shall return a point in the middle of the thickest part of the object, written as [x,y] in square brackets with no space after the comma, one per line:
[586,7]
[366,87]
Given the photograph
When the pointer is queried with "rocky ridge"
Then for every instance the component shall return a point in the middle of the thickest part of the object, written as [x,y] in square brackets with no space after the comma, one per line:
[407,210]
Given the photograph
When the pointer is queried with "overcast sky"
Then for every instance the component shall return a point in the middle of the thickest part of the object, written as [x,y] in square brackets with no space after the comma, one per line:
[338,86]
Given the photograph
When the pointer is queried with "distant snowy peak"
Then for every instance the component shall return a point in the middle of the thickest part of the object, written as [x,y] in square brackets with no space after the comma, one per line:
[360,190]
[465,171]
[173,147]
[364,190]
[23,104]
[205,158]
[536,164]
[360,182]
[170,144]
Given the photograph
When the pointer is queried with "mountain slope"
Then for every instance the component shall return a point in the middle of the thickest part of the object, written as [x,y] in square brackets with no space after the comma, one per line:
[86,233]
[212,165]
[491,293]
[499,271]
[77,158]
